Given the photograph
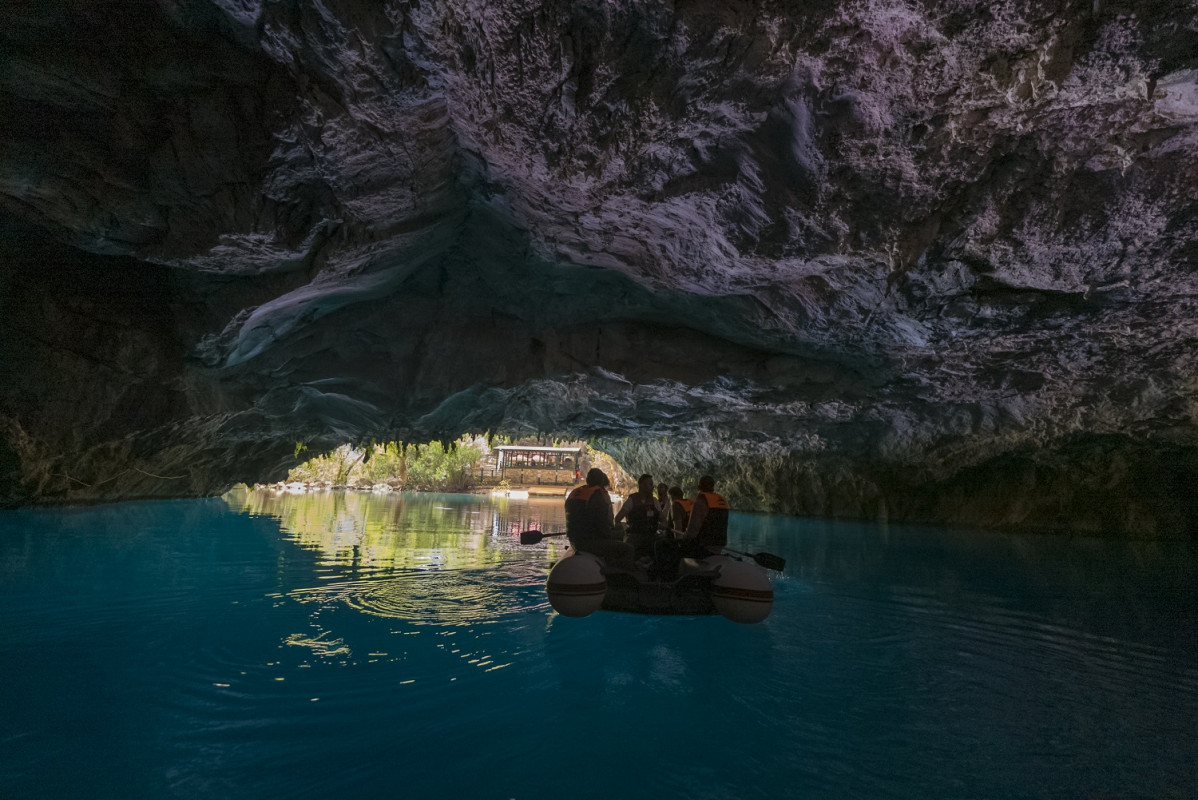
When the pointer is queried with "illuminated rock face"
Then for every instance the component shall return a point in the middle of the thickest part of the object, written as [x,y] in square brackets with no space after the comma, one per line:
[925,261]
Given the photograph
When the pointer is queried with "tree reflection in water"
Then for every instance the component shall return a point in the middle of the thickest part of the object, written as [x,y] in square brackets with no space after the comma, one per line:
[421,557]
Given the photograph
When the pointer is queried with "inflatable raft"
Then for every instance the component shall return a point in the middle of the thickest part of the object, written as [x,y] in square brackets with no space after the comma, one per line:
[581,583]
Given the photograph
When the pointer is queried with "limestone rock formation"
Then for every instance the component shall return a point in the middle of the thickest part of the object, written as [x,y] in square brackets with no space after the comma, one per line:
[932,260]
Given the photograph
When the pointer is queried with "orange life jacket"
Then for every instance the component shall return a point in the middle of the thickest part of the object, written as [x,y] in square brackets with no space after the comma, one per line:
[584,493]
[587,520]
[714,532]
[681,511]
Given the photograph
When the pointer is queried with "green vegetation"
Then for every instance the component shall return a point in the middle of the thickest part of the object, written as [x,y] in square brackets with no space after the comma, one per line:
[441,467]
[429,467]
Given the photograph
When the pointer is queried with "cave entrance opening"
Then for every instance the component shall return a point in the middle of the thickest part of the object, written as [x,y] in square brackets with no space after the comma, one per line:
[471,463]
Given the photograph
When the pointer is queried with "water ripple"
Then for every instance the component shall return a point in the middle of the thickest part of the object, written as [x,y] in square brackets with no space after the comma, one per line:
[433,597]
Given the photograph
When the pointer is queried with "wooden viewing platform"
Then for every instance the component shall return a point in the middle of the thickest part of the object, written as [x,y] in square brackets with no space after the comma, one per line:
[537,471]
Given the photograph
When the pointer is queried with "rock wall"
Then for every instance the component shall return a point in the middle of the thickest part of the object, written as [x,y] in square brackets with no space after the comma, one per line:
[1111,485]
[920,261]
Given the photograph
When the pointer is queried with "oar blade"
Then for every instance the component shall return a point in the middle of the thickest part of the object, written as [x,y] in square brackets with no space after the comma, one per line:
[531,537]
[770,561]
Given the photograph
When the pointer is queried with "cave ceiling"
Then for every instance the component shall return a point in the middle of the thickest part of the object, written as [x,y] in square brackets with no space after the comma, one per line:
[842,253]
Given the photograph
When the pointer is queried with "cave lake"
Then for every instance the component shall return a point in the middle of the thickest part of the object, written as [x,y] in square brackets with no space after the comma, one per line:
[401,645]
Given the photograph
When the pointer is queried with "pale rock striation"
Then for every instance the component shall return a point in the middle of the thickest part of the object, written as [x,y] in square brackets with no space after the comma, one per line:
[876,259]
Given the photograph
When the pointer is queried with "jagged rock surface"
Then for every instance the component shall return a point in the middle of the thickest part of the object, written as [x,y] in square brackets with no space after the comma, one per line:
[876,259]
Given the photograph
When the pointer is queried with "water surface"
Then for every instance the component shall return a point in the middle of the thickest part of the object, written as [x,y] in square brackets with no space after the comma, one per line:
[341,644]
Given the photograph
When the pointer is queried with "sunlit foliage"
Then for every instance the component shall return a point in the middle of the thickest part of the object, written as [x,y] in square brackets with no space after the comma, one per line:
[431,466]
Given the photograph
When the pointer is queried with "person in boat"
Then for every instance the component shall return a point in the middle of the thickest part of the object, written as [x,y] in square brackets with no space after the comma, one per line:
[589,520]
[680,512]
[663,502]
[643,513]
[676,545]
[707,529]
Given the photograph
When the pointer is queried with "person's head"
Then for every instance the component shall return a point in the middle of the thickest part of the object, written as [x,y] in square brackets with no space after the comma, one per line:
[707,484]
[644,484]
[662,489]
[676,493]
[596,477]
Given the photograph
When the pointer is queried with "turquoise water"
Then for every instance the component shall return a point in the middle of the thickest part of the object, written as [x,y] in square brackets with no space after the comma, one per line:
[401,646]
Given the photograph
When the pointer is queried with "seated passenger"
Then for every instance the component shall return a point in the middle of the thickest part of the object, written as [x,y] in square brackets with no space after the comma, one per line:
[589,521]
[680,512]
[687,541]
[707,530]
[644,517]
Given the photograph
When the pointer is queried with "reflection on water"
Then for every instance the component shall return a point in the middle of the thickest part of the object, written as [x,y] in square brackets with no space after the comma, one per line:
[348,644]
[379,530]
[426,558]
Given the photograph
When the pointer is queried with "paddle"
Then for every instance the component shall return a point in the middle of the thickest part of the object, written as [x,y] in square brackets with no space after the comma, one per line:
[532,537]
[767,560]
